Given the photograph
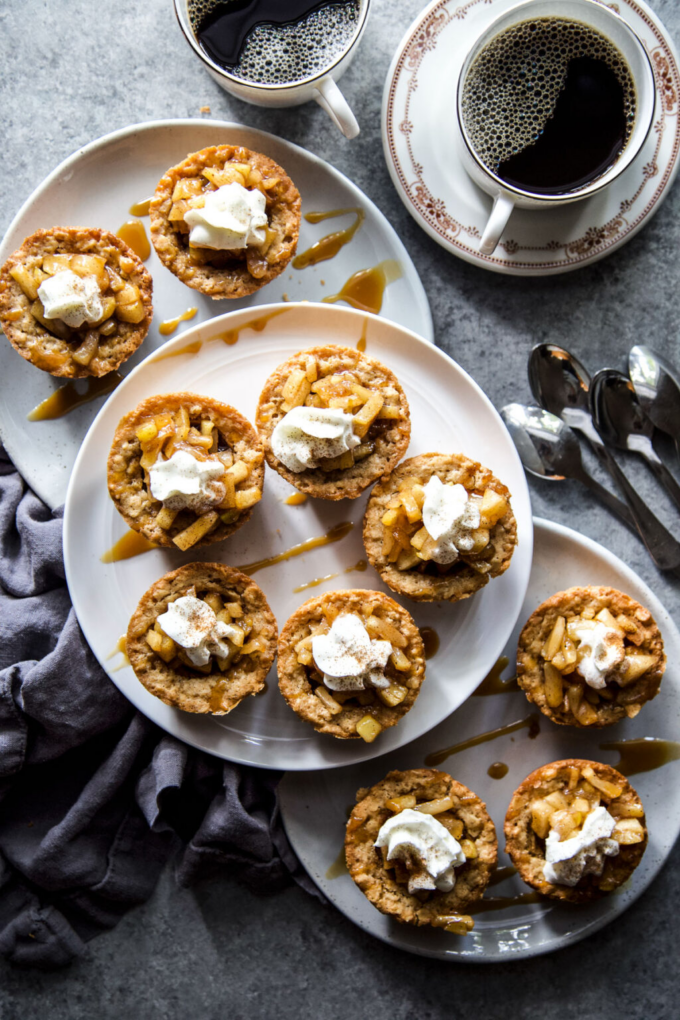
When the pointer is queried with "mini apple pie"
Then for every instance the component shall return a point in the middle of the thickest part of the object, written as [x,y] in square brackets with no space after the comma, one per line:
[590,657]
[185,470]
[75,302]
[333,420]
[439,527]
[202,638]
[422,848]
[575,830]
[351,663]
[225,220]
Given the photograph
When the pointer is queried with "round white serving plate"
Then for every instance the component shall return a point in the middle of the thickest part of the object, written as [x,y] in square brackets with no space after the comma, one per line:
[420,141]
[448,412]
[96,186]
[314,807]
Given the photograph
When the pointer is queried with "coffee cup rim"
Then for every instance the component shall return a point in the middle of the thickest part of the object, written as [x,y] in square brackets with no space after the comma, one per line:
[282,87]
[605,179]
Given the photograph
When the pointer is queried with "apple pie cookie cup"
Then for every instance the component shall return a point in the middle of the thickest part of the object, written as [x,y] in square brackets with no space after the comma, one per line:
[351,714]
[225,273]
[246,656]
[385,883]
[554,658]
[344,381]
[209,432]
[118,302]
[401,549]
[558,797]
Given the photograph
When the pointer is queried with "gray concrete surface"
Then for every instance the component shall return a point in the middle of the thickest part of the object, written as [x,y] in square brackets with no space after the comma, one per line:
[74,70]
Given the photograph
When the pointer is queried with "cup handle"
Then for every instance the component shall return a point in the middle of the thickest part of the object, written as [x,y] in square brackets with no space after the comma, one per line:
[336,106]
[498,220]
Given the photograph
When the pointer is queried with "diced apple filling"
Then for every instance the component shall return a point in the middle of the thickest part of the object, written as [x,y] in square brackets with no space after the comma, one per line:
[566,811]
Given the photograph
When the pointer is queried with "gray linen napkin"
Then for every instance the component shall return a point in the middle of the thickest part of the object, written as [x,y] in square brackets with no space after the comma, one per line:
[95,798]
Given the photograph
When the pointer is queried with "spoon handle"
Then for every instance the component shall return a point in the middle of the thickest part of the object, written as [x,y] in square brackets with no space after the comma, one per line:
[611,501]
[666,478]
[661,546]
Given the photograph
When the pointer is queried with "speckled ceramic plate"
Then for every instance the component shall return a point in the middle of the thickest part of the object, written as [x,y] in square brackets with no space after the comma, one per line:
[96,186]
[315,806]
[448,411]
[420,141]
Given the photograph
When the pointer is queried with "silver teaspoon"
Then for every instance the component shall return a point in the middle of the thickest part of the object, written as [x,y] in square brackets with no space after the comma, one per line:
[622,423]
[657,388]
[548,448]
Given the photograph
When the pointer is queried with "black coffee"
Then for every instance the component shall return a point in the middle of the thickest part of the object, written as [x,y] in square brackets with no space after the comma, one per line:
[274,42]
[549,105]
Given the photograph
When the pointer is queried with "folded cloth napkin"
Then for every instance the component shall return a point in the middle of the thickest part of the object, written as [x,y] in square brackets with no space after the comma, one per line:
[96,798]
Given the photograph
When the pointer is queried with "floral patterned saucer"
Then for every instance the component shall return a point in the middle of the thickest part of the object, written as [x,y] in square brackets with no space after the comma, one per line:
[420,140]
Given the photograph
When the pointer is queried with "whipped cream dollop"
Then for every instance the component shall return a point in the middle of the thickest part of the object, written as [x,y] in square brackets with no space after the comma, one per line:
[600,650]
[192,624]
[349,658]
[73,299]
[307,435]
[449,517]
[568,861]
[428,849]
[185,482]
[232,218]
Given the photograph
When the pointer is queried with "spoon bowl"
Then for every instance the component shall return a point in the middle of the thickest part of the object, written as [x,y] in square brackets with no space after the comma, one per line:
[617,413]
[546,445]
[657,388]
[560,383]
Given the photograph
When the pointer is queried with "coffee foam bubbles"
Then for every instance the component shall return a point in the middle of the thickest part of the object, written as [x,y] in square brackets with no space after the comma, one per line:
[512,87]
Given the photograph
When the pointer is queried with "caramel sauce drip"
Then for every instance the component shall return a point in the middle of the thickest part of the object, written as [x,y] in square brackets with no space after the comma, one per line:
[361,342]
[120,649]
[430,641]
[216,695]
[500,874]
[140,208]
[231,336]
[498,770]
[68,398]
[360,566]
[338,867]
[365,289]
[134,235]
[492,682]
[334,535]
[483,906]
[643,754]
[296,499]
[192,348]
[531,722]
[170,325]
[329,246]
[131,544]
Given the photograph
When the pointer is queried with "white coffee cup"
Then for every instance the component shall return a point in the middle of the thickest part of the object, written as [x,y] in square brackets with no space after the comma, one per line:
[608,23]
[321,87]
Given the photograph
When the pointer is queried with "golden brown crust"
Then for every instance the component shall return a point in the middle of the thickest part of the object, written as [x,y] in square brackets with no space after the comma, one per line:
[378,883]
[216,693]
[527,851]
[294,678]
[37,344]
[391,440]
[461,580]
[225,274]
[126,477]
[645,637]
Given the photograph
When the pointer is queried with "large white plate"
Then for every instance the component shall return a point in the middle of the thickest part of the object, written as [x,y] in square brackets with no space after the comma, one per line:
[96,186]
[421,148]
[314,807]
[448,412]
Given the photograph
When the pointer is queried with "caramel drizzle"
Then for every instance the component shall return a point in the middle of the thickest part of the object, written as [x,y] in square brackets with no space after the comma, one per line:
[498,770]
[361,342]
[67,398]
[531,722]
[297,499]
[170,325]
[334,535]
[365,289]
[338,867]
[483,906]
[430,641]
[329,246]
[131,544]
[192,348]
[231,336]
[140,208]
[492,682]
[500,874]
[643,754]
[134,235]
[360,566]
[120,649]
